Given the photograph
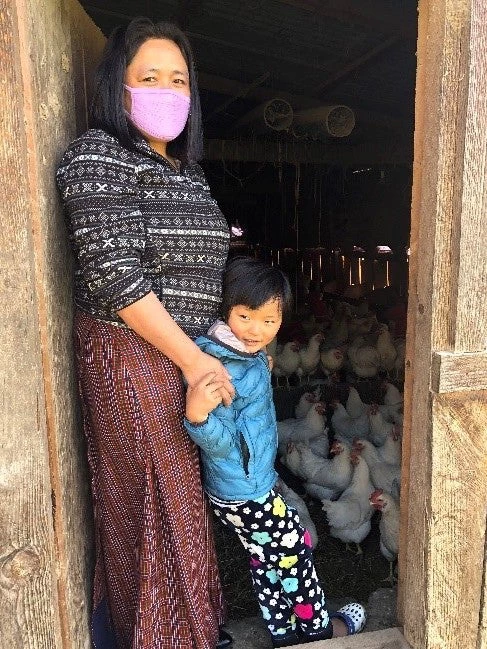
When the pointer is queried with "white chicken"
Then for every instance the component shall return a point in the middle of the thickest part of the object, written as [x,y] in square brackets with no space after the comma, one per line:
[393,396]
[309,356]
[388,526]
[380,428]
[347,427]
[399,363]
[359,326]
[382,474]
[364,359]
[302,430]
[331,360]
[293,500]
[334,474]
[349,516]
[355,407]
[286,362]
[294,453]
[385,347]
[305,402]
[391,450]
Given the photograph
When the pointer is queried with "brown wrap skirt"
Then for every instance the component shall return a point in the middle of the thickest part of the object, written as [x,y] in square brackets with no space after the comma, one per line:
[156,574]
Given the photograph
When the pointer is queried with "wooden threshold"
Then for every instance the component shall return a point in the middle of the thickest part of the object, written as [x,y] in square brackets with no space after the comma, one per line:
[384,639]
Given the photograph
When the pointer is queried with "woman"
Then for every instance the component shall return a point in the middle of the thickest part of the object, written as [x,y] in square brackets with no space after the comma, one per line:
[150,245]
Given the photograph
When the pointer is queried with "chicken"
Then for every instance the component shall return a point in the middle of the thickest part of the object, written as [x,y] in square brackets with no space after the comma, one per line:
[392,398]
[380,428]
[302,430]
[399,363]
[388,526]
[331,360]
[364,359]
[392,408]
[349,516]
[390,451]
[385,347]
[334,474]
[382,474]
[355,407]
[293,500]
[287,361]
[309,357]
[338,330]
[345,426]
[316,448]
[359,326]
[320,445]
[306,400]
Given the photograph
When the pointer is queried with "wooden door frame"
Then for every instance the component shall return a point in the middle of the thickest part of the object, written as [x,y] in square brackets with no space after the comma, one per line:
[444,491]
[444,486]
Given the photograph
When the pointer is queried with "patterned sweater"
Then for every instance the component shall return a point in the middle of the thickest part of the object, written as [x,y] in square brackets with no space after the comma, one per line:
[136,225]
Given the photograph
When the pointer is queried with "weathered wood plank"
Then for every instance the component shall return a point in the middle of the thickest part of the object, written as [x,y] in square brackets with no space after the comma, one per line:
[294,152]
[44,544]
[55,94]
[471,315]
[455,553]
[385,639]
[443,507]
[28,599]
[452,372]
[482,637]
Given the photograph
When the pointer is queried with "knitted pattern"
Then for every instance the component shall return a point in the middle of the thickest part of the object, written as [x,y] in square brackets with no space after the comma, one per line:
[137,224]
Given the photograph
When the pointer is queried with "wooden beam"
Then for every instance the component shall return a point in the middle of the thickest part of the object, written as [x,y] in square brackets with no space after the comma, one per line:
[379,18]
[277,52]
[240,95]
[443,490]
[45,543]
[457,372]
[182,15]
[224,86]
[297,151]
[383,639]
[355,65]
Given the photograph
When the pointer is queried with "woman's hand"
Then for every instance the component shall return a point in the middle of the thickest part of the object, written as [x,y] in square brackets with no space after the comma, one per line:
[203,397]
[201,367]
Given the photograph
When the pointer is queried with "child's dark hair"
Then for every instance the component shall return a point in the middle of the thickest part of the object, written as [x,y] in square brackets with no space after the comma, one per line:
[252,282]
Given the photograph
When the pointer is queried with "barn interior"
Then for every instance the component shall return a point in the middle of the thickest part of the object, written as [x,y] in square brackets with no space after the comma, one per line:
[308,112]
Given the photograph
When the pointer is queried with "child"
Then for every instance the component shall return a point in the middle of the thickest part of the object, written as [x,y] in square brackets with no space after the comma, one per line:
[238,449]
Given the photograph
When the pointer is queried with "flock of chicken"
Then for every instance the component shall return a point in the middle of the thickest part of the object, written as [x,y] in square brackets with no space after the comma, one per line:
[353,338]
[350,461]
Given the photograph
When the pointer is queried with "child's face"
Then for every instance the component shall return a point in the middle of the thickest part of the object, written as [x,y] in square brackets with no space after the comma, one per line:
[255,328]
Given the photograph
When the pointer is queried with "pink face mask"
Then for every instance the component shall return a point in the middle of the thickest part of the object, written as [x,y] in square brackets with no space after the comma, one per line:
[158,112]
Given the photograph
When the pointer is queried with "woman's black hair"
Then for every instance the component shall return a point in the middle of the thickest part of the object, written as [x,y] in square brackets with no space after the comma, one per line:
[252,282]
[107,109]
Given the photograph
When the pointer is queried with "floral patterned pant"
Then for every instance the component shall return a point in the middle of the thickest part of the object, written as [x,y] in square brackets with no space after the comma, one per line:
[281,563]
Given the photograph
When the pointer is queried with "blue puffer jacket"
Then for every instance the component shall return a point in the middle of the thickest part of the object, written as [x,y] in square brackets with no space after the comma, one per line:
[239,442]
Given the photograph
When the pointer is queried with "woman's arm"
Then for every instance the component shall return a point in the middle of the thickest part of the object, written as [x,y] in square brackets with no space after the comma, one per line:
[151,321]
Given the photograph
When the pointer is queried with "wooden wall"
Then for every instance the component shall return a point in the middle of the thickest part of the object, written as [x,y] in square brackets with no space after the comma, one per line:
[444,490]
[47,49]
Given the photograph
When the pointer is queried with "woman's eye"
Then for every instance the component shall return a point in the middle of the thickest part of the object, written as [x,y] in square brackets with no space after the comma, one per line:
[149,79]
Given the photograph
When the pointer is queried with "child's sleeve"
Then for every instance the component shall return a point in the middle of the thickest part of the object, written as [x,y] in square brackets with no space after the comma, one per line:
[216,436]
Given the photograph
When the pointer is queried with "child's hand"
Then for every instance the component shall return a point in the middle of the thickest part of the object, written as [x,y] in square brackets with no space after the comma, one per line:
[203,397]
